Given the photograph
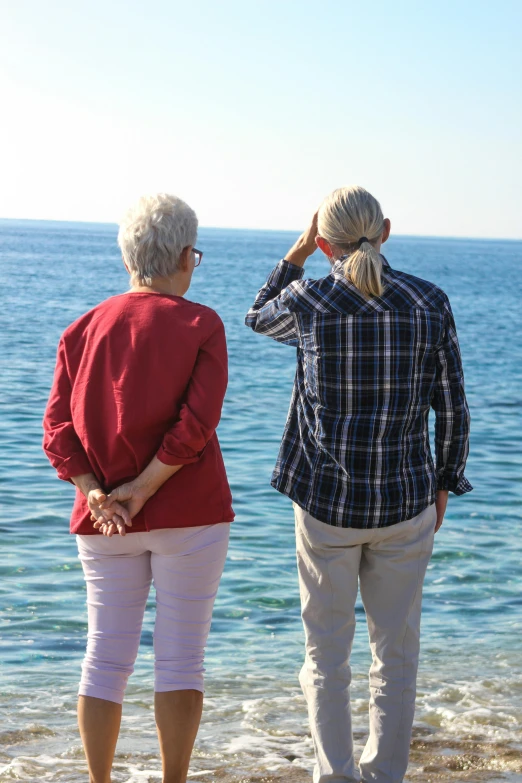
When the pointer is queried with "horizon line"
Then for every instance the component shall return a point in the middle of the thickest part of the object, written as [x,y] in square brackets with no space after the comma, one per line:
[273,230]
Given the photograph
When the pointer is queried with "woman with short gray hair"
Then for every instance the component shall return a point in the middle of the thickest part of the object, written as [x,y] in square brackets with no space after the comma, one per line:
[153,235]
[131,421]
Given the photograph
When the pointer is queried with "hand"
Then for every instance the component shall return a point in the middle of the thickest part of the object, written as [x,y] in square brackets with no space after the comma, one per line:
[125,501]
[128,499]
[441,502]
[305,245]
[108,521]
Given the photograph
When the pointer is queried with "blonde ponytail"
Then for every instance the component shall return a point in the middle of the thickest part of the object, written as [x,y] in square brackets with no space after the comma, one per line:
[351,219]
[363,268]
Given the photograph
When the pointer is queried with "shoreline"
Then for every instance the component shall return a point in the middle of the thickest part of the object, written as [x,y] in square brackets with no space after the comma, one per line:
[434,758]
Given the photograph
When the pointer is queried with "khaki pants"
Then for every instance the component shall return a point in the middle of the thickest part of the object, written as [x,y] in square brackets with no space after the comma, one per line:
[390,564]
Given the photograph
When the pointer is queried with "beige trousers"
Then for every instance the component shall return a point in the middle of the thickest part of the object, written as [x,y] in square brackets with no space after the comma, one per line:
[390,564]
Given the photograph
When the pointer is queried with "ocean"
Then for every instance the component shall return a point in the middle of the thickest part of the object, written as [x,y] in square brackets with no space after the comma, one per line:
[468,723]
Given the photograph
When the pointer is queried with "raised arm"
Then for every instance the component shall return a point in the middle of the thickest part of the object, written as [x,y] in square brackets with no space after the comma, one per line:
[451,412]
[271,313]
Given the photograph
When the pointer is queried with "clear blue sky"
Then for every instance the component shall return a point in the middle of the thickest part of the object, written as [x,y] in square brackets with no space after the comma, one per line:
[253,111]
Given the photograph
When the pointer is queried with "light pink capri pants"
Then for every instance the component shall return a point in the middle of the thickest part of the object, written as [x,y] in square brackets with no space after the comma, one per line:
[185,565]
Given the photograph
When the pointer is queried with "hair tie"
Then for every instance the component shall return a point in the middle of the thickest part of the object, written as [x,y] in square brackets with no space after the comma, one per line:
[361,240]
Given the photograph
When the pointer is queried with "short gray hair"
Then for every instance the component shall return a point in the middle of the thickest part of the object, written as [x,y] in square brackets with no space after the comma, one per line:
[152,235]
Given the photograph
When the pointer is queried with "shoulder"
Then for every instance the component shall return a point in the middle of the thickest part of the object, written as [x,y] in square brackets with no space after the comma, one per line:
[308,294]
[125,307]
[422,292]
[107,310]
[204,324]
[201,315]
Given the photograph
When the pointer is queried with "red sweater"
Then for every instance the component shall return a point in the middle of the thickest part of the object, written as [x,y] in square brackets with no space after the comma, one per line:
[143,374]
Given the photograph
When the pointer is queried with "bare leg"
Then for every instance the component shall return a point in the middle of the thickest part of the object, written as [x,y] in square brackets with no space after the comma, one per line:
[177,718]
[99,722]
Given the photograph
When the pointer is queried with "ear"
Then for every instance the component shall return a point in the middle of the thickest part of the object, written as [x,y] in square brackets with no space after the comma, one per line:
[323,245]
[184,259]
[386,230]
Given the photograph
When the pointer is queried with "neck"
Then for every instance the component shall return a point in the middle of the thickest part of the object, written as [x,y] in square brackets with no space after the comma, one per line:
[162,285]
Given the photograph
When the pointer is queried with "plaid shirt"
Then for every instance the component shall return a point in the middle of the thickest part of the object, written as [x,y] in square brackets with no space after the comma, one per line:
[356,449]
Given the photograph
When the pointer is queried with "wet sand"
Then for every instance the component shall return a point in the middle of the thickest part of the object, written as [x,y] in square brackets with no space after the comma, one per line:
[434,759]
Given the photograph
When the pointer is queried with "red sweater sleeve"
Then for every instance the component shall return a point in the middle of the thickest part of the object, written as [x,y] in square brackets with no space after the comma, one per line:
[61,443]
[200,411]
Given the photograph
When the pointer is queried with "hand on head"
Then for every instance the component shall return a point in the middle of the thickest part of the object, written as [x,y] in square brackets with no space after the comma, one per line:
[309,236]
[305,245]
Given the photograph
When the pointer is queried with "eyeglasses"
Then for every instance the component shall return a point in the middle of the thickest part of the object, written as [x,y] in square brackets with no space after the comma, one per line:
[198,255]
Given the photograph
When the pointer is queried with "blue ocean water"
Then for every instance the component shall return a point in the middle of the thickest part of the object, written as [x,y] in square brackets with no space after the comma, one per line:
[469,714]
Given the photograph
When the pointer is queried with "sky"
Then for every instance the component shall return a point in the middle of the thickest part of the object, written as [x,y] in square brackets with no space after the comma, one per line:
[254,110]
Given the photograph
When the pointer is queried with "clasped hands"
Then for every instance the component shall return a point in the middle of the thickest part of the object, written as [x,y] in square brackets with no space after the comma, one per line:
[113,512]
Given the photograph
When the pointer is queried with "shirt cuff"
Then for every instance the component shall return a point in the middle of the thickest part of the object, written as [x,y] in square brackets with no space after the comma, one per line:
[76,465]
[284,274]
[458,486]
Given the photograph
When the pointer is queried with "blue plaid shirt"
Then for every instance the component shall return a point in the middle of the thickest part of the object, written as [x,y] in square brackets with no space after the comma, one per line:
[356,448]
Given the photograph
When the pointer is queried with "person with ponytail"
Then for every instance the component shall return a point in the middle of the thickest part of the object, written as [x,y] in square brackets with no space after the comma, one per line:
[376,349]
